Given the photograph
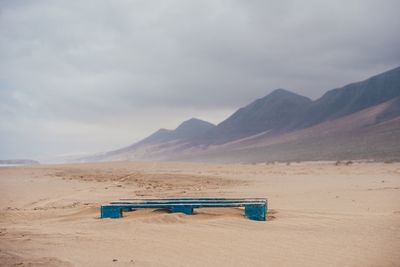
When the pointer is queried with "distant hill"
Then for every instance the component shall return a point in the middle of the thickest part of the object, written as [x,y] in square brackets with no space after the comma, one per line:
[18,162]
[359,120]
[186,132]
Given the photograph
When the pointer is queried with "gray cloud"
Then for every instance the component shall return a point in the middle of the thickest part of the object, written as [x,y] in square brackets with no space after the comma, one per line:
[94,75]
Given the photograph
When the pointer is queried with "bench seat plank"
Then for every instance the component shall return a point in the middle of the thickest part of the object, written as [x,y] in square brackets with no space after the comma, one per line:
[255,208]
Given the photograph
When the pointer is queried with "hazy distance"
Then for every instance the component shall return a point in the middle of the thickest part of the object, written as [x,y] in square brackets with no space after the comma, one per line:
[91,76]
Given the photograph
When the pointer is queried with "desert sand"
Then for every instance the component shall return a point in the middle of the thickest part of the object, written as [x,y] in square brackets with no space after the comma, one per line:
[320,214]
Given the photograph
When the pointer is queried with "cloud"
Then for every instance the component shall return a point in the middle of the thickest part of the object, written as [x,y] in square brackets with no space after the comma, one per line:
[93,75]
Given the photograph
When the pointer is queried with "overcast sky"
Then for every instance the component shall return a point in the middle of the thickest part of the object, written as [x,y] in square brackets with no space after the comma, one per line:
[90,76]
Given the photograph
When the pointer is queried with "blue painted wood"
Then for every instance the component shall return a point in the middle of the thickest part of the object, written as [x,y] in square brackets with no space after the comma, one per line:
[255,209]
[188,200]
[110,211]
[256,212]
[183,209]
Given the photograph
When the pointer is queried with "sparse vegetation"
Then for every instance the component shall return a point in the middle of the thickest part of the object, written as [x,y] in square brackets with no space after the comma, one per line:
[389,161]
[347,163]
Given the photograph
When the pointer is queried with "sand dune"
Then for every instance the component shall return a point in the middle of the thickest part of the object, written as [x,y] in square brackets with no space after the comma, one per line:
[320,215]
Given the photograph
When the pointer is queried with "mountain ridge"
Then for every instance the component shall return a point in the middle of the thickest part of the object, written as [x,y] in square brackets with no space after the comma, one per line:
[187,130]
[278,113]
[274,111]
[354,97]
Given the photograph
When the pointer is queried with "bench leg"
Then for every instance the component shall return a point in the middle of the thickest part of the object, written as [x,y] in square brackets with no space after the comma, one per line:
[110,212]
[183,209]
[257,212]
[127,209]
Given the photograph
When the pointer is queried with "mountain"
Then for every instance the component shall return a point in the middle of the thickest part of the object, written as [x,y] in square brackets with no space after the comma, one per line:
[283,110]
[359,120]
[276,112]
[191,129]
[353,97]
[186,132]
[371,133]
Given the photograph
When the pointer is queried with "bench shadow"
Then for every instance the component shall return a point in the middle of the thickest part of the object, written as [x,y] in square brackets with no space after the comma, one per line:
[156,215]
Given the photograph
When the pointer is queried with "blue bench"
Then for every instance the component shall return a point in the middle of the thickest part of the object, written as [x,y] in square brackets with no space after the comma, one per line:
[254,208]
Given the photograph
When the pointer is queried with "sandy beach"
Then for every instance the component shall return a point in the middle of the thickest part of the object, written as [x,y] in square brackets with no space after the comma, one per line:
[320,214]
